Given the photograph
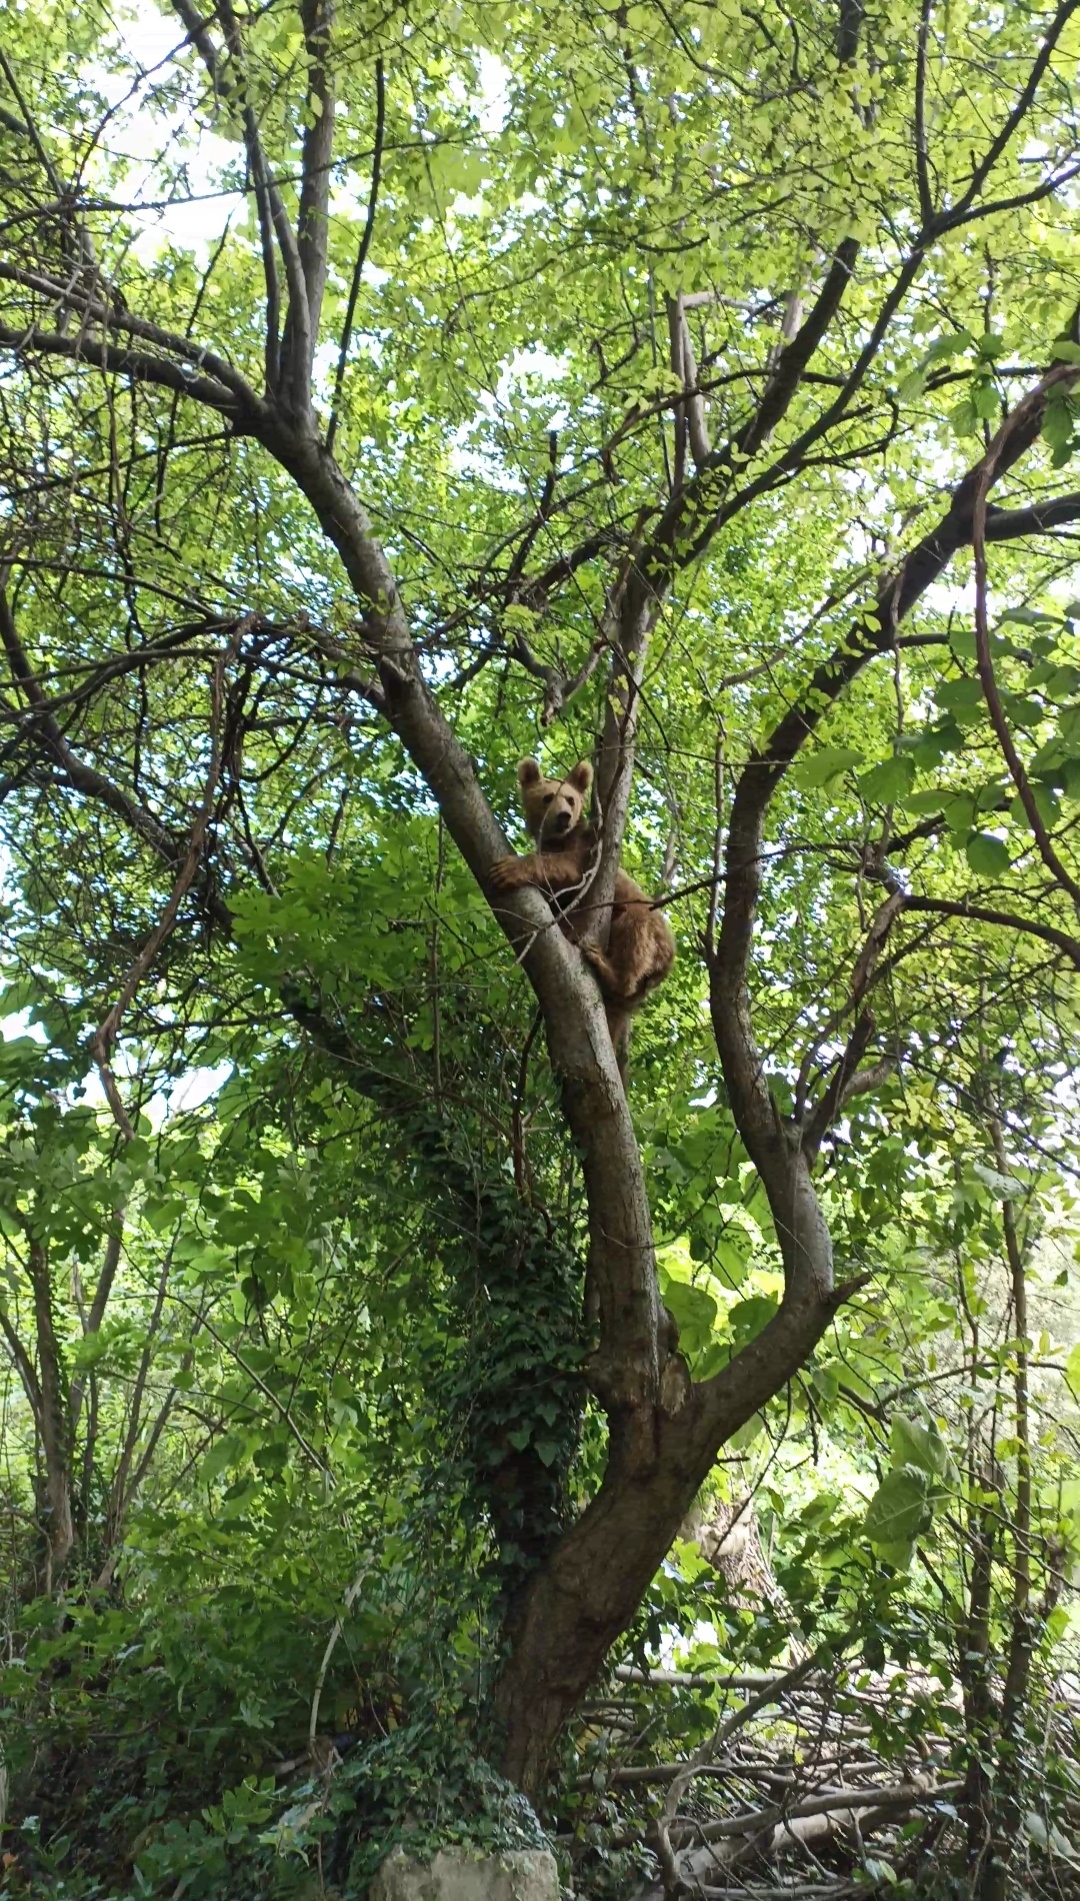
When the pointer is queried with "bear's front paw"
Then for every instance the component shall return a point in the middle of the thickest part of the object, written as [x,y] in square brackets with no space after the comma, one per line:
[506,875]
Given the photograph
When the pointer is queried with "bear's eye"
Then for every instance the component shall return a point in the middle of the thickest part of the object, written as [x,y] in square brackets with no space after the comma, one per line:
[548,796]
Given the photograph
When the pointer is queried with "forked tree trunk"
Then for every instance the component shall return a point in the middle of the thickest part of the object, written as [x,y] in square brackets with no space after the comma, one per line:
[590,1590]
[664,1434]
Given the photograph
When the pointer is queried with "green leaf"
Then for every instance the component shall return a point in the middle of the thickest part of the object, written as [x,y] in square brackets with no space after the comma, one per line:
[931,800]
[992,797]
[985,400]
[914,1443]
[964,419]
[959,696]
[1030,617]
[693,1310]
[935,742]
[886,783]
[747,1318]
[732,1259]
[747,1433]
[879,1871]
[1057,428]
[988,856]
[1004,1187]
[823,767]
[942,350]
[959,812]
[899,1510]
[222,1454]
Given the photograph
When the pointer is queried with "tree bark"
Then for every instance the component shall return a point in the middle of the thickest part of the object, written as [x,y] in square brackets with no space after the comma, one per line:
[1004,1798]
[593,1584]
[53,1423]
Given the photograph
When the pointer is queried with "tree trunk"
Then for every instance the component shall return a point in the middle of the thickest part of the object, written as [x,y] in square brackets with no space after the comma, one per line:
[1006,1796]
[53,1422]
[589,1592]
[664,1434]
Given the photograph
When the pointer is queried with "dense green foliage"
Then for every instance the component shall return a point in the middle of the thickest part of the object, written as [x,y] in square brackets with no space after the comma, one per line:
[298,1395]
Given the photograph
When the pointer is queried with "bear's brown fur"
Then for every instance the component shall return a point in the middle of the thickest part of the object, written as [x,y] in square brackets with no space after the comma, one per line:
[641,949]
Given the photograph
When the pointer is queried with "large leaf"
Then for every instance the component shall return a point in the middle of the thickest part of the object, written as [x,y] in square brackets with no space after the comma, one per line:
[988,856]
[824,766]
[919,1445]
[884,784]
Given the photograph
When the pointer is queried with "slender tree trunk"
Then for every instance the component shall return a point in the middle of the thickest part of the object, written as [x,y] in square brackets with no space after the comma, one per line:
[975,1678]
[1007,1801]
[54,1421]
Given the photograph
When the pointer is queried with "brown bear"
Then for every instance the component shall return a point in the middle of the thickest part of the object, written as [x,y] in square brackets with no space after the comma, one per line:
[641,948]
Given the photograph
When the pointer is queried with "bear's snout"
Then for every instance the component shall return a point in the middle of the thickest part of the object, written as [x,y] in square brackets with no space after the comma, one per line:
[562,821]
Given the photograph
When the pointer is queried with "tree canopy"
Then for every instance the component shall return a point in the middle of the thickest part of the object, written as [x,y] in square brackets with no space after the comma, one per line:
[389,393]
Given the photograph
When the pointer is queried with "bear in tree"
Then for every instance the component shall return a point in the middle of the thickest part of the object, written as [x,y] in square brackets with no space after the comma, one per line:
[640,948]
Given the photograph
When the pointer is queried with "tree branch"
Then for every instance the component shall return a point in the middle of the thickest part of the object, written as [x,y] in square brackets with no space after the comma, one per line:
[361,255]
[312,228]
[97,1313]
[1039,518]
[1025,99]
[84,778]
[801,1229]
[115,316]
[1008,920]
[840,1085]
[922,161]
[121,360]
[1033,403]
[103,1040]
[24,1366]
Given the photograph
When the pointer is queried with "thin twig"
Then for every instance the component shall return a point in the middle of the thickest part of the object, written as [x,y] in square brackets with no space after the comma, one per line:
[1062,376]
[361,255]
[104,1038]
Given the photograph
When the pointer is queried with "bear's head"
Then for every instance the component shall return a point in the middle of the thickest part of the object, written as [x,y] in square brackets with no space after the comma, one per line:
[553,807]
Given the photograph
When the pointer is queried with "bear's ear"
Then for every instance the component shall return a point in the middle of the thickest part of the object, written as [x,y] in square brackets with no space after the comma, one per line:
[581,777]
[528,772]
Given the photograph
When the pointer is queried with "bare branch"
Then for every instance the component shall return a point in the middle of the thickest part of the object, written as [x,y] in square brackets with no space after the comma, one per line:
[24,1366]
[361,255]
[268,196]
[97,1311]
[675,333]
[1007,920]
[140,365]
[922,162]
[840,1084]
[84,778]
[1034,402]
[115,316]
[103,1040]
[312,232]
[1024,101]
